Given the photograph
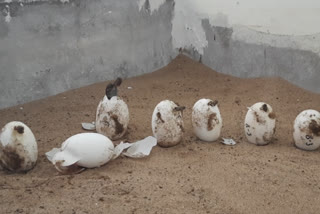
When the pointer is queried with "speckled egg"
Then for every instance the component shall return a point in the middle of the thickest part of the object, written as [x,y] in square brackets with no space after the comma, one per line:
[260,123]
[112,116]
[306,132]
[206,120]
[167,123]
[18,147]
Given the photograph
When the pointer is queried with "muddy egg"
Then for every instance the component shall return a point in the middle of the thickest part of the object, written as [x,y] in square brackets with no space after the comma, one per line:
[306,132]
[18,147]
[167,123]
[112,116]
[260,123]
[81,151]
[206,120]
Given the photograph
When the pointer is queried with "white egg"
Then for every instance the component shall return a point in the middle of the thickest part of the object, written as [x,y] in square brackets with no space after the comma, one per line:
[18,147]
[206,120]
[112,116]
[167,123]
[80,151]
[306,132]
[260,123]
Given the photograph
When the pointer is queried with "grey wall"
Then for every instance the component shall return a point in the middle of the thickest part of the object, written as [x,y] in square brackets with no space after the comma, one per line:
[240,58]
[49,47]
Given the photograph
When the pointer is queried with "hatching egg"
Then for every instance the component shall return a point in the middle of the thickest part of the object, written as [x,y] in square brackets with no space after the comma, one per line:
[206,120]
[80,151]
[167,123]
[306,132]
[112,116]
[18,147]
[260,123]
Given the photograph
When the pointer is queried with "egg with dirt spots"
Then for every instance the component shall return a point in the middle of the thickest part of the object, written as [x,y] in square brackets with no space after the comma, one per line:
[167,123]
[81,151]
[206,120]
[306,132]
[112,116]
[18,147]
[260,124]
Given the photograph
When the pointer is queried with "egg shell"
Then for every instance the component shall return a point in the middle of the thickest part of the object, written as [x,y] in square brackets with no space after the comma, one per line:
[167,124]
[260,123]
[306,132]
[206,120]
[112,117]
[18,147]
[87,150]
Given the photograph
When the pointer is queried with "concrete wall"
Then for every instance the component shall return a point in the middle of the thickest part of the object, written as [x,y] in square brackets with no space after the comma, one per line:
[50,46]
[47,47]
[253,38]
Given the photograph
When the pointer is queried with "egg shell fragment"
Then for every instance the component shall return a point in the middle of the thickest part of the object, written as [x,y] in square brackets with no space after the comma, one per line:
[306,132]
[167,124]
[18,147]
[112,117]
[260,123]
[206,120]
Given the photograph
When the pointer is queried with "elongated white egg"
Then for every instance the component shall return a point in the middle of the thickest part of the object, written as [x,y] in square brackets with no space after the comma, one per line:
[18,147]
[112,116]
[206,120]
[260,123]
[167,123]
[306,132]
[80,151]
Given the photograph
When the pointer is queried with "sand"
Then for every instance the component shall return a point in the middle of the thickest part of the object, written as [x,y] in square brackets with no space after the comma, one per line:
[192,177]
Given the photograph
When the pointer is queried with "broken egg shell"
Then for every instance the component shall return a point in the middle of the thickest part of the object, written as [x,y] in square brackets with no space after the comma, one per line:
[18,147]
[206,120]
[85,150]
[112,117]
[260,123]
[306,132]
[167,124]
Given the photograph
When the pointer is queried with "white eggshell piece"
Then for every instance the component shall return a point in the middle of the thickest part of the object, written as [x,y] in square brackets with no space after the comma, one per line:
[260,123]
[87,150]
[167,124]
[89,126]
[306,133]
[112,117]
[141,148]
[228,142]
[18,147]
[206,120]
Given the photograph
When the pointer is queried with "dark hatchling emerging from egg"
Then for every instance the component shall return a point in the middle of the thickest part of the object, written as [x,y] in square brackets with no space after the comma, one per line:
[111,89]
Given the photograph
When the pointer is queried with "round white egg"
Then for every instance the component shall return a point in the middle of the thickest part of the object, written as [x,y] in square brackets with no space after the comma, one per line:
[167,124]
[18,147]
[306,132]
[206,120]
[112,117]
[260,123]
[88,150]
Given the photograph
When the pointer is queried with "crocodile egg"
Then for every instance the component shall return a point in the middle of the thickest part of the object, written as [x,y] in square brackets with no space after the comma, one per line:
[167,123]
[306,132]
[18,147]
[206,120]
[112,117]
[260,123]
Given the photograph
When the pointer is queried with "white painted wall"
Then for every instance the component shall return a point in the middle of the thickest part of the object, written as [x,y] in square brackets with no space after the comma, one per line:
[296,18]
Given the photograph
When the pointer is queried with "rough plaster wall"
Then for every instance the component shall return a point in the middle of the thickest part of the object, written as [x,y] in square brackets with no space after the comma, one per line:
[252,38]
[50,47]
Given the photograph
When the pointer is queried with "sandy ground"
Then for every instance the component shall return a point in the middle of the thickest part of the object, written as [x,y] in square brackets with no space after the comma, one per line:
[192,177]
